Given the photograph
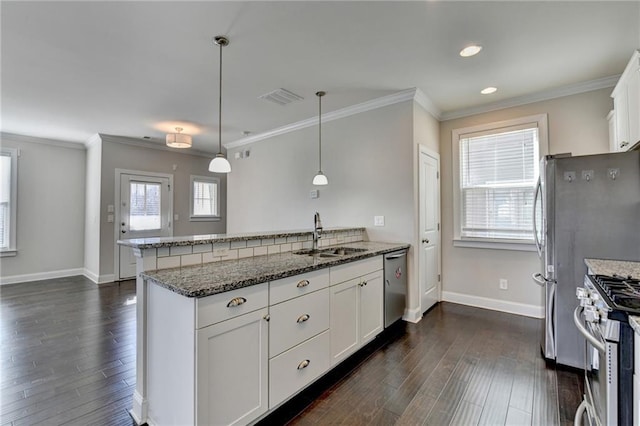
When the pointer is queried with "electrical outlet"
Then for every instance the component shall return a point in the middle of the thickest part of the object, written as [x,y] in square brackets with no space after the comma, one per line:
[378,221]
[504,284]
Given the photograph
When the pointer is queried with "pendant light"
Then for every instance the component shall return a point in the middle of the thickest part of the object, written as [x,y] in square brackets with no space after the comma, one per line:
[320,178]
[220,164]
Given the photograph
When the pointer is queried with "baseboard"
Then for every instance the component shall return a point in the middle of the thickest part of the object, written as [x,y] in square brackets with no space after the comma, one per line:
[98,279]
[412,315]
[14,279]
[523,309]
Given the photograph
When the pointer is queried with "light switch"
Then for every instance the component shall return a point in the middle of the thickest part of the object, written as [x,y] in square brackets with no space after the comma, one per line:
[110,208]
[378,221]
[176,217]
[110,218]
[314,193]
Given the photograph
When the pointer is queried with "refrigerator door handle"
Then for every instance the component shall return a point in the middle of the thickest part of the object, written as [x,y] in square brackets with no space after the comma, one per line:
[551,307]
[535,228]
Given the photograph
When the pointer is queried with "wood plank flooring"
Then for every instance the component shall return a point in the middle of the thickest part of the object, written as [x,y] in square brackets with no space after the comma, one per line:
[68,357]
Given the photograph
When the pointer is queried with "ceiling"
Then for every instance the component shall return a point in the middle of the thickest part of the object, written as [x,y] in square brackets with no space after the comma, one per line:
[74,69]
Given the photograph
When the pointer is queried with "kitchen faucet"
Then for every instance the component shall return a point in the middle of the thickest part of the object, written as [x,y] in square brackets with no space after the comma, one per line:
[317,229]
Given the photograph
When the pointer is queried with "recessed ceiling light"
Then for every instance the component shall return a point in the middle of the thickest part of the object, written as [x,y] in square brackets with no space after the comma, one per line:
[470,50]
[488,90]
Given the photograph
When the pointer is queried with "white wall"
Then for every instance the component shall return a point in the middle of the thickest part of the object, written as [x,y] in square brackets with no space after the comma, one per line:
[577,124]
[92,208]
[50,223]
[126,156]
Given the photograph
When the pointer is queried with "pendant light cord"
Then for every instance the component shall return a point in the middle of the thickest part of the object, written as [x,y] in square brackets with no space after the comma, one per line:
[220,106]
[320,131]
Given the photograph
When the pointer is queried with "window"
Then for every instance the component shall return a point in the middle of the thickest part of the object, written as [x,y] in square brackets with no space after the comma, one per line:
[496,172]
[205,198]
[8,197]
[145,206]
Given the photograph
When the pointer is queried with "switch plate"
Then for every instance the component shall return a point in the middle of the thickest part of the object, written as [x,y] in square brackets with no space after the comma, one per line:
[237,155]
[110,208]
[314,193]
[110,218]
[221,252]
[176,217]
[378,221]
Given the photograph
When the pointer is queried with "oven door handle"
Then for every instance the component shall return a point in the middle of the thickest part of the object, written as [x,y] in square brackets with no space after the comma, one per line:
[595,342]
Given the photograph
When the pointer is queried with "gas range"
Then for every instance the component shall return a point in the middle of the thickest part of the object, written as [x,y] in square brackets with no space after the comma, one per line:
[619,293]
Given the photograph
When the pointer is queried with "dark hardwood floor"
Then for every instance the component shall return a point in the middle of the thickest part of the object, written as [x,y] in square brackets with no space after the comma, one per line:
[68,357]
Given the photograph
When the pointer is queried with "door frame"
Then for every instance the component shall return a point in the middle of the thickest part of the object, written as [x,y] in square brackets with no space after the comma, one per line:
[422,149]
[117,202]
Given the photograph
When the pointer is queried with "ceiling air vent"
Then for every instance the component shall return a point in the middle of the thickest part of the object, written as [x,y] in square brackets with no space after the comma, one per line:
[281,97]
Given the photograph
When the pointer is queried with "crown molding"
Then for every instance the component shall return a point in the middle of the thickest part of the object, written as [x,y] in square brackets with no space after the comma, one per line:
[572,89]
[151,144]
[394,98]
[426,103]
[41,141]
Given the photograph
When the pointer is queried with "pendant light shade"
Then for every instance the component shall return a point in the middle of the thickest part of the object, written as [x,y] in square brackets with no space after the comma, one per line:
[178,140]
[320,178]
[220,164]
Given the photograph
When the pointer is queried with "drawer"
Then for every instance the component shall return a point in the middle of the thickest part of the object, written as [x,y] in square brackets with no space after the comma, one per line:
[296,320]
[352,270]
[297,285]
[223,306]
[297,368]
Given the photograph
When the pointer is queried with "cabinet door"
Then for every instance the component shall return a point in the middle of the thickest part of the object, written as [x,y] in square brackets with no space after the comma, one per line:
[621,107]
[344,320]
[633,106]
[371,306]
[231,370]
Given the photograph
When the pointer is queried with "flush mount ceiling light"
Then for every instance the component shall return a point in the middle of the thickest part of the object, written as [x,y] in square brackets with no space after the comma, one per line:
[178,140]
[488,90]
[320,178]
[220,164]
[470,50]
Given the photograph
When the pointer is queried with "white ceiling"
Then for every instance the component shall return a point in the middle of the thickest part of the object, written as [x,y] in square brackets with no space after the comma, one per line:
[73,69]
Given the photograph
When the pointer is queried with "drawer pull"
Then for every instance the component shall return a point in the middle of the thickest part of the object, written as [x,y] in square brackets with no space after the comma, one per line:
[304,364]
[236,301]
[303,318]
[302,283]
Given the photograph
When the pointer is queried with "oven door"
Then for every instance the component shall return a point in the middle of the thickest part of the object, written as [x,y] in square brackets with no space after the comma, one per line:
[600,373]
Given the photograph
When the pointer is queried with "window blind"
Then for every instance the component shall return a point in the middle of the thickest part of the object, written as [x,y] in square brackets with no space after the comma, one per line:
[498,173]
[205,198]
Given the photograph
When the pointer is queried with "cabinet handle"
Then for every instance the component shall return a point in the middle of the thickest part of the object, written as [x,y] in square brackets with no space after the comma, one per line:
[303,283]
[304,364]
[267,317]
[303,318]
[236,301]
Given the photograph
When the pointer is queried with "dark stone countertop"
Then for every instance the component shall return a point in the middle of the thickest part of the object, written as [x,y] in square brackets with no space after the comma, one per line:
[218,277]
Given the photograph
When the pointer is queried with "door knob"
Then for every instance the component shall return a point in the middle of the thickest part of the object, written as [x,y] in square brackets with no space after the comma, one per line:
[123,231]
[426,241]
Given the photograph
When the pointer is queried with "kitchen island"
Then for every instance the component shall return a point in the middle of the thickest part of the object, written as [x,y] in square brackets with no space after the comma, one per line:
[216,339]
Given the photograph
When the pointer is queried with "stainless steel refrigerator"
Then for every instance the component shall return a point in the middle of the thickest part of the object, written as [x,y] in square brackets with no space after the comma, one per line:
[585,207]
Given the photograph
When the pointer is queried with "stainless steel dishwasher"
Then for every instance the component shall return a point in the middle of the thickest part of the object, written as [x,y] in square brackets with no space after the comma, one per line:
[395,286]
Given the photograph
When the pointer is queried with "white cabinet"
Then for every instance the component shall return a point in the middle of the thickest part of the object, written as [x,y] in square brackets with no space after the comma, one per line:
[626,104]
[231,370]
[356,306]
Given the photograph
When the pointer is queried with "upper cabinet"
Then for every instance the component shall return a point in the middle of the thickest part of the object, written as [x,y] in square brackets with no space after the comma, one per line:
[626,107]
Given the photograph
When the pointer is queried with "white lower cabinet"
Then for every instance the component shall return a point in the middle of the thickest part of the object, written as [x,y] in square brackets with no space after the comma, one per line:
[356,312]
[231,370]
[229,358]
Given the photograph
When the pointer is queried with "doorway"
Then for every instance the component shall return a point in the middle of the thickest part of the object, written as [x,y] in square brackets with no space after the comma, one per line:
[144,208]
[429,213]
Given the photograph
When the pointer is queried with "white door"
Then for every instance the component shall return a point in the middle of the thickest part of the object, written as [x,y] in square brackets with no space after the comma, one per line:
[429,187]
[145,211]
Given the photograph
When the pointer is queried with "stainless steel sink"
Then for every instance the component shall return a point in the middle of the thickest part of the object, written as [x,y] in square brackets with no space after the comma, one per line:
[330,251]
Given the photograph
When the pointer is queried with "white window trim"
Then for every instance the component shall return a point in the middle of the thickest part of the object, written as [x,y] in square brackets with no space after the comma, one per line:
[212,218]
[13,213]
[543,140]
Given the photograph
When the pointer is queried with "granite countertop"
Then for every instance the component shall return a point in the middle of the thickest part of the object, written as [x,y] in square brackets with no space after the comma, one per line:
[635,323]
[217,277]
[611,267]
[191,240]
